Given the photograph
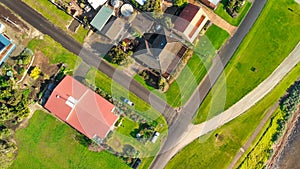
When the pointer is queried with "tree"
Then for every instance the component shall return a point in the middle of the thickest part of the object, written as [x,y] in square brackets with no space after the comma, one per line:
[180,3]
[117,56]
[168,22]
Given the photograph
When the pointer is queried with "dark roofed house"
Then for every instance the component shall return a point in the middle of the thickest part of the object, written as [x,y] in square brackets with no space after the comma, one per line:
[114,28]
[82,109]
[190,22]
[142,23]
[160,52]
[6,47]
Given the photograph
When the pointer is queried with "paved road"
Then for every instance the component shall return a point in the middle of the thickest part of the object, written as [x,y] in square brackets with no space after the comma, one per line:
[44,26]
[195,131]
[180,128]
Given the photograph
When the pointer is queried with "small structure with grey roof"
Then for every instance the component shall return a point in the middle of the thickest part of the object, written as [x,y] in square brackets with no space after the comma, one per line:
[102,17]
[142,23]
[114,29]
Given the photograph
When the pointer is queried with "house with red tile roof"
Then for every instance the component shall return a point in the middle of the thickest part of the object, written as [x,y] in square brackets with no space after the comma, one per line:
[82,108]
[190,22]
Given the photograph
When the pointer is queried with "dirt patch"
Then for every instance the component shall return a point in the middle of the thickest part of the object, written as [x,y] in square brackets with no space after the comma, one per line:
[43,62]
[47,71]
[8,17]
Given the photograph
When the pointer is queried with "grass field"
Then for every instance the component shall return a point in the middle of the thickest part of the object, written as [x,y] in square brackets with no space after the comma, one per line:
[233,21]
[55,52]
[211,152]
[262,50]
[49,143]
[192,74]
[216,35]
[57,17]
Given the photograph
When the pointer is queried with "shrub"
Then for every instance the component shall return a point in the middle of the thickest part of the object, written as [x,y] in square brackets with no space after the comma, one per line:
[35,73]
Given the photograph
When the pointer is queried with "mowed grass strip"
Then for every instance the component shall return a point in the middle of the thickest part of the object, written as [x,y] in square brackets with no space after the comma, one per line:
[210,151]
[54,51]
[58,17]
[216,35]
[50,143]
[221,11]
[269,42]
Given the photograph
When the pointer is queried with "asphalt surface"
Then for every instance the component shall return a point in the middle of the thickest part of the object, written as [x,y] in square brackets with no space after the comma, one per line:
[44,26]
[178,122]
[180,127]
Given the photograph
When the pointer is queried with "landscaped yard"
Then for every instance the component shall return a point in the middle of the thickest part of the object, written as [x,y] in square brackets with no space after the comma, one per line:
[260,53]
[216,35]
[57,17]
[50,143]
[217,149]
[123,136]
[192,74]
[233,21]
[54,51]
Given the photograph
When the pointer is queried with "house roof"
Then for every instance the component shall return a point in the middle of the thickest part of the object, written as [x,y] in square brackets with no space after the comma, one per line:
[96,3]
[114,28]
[160,53]
[102,17]
[81,108]
[142,23]
[185,17]
[6,47]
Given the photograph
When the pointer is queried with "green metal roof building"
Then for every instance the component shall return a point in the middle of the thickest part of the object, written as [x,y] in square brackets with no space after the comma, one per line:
[102,17]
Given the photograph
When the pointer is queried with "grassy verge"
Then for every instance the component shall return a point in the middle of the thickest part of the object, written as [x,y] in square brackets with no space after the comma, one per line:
[117,91]
[49,143]
[256,156]
[57,17]
[262,50]
[192,74]
[55,52]
[232,136]
[216,35]
[233,21]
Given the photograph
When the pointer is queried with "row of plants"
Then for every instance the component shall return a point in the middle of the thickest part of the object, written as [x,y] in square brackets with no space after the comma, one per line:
[233,7]
[262,151]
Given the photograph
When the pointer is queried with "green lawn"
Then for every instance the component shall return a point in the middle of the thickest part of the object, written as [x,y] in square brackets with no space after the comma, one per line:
[117,91]
[233,21]
[55,52]
[49,143]
[262,50]
[192,74]
[216,35]
[210,152]
[57,17]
